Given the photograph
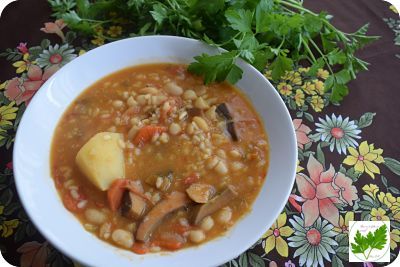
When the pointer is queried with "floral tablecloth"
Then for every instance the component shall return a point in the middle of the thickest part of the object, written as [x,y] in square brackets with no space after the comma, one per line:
[348,155]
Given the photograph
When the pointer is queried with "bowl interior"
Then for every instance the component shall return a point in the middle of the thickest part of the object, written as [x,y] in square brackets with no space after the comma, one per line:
[32,156]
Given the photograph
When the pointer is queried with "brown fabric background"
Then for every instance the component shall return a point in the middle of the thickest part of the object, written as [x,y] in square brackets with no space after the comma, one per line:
[377,90]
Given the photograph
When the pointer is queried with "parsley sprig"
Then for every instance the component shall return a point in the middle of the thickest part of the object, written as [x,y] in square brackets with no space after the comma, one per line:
[279,34]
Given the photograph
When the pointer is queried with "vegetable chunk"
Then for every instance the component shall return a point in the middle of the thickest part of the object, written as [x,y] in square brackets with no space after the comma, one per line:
[173,202]
[215,204]
[200,193]
[101,159]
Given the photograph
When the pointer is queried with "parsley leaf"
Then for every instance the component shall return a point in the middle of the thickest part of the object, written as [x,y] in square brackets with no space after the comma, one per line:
[217,67]
[280,65]
[159,13]
[240,19]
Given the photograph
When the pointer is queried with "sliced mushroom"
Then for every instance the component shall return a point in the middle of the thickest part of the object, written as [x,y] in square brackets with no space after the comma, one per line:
[230,127]
[171,203]
[215,204]
[200,193]
[133,206]
[223,111]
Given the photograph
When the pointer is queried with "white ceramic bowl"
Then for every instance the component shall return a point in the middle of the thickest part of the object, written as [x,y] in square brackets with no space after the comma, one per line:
[32,156]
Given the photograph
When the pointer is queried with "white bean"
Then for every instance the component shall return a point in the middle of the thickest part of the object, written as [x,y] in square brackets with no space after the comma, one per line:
[118,104]
[221,153]
[201,123]
[74,194]
[141,99]
[174,129]
[158,99]
[173,89]
[190,129]
[221,167]
[105,230]
[94,216]
[164,138]
[210,113]
[235,153]
[156,197]
[224,215]
[207,223]
[159,182]
[189,95]
[81,204]
[201,103]
[125,94]
[237,165]
[212,162]
[123,238]
[131,102]
[149,90]
[131,227]
[197,236]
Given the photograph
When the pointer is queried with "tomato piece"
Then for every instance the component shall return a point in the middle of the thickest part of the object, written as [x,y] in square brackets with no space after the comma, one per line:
[115,193]
[146,133]
[140,248]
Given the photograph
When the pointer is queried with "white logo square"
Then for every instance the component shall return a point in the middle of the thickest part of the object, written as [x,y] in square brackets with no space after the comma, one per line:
[369,241]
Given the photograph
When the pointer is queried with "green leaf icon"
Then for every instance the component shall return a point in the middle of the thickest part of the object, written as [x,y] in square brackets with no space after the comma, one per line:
[373,240]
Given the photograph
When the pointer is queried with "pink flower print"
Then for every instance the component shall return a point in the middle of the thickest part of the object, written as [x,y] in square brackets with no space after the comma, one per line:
[347,191]
[22,90]
[301,133]
[23,48]
[318,192]
[55,27]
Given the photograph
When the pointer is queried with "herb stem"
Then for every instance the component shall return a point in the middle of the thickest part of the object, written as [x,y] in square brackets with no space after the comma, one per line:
[322,55]
[309,51]
[297,6]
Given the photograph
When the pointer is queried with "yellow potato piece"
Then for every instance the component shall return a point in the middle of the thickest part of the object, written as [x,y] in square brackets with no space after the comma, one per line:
[101,159]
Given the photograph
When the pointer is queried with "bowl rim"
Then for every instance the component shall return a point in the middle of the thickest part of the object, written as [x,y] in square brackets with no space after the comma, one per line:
[45,87]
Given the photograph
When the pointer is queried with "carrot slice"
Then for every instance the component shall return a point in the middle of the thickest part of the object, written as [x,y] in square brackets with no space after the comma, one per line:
[69,202]
[168,244]
[146,133]
[140,248]
[115,193]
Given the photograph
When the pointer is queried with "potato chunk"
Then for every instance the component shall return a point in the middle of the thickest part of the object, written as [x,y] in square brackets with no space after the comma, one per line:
[101,159]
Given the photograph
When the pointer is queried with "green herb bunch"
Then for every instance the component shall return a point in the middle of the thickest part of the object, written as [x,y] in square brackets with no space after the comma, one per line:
[373,240]
[279,34]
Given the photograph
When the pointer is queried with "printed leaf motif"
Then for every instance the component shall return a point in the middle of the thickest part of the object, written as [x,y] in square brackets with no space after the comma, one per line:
[366,120]
[336,262]
[255,260]
[243,260]
[394,190]
[320,155]
[393,165]
[384,181]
